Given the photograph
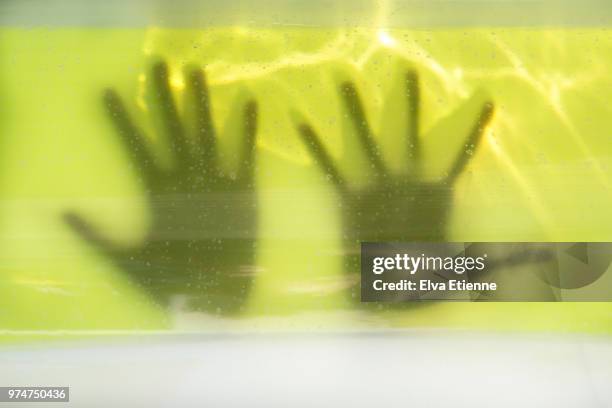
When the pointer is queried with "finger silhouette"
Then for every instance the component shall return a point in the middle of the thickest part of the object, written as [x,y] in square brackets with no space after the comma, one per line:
[87,232]
[471,143]
[354,106]
[413,95]
[199,98]
[174,131]
[133,139]
[247,168]
[318,151]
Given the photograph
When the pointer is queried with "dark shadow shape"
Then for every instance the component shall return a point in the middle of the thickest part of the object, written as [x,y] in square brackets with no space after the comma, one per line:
[201,242]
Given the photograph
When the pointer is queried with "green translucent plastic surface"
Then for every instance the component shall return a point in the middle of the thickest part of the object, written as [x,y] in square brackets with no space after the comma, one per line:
[543,172]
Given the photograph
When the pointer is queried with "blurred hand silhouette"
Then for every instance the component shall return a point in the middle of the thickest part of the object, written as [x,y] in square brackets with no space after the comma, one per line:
[395,207]
[201,241]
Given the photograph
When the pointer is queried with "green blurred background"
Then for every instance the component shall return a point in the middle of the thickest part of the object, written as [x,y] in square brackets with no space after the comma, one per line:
[543,172]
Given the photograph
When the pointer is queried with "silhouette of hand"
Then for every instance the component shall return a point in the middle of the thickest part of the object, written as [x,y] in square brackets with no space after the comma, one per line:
[200,243]
[395,207]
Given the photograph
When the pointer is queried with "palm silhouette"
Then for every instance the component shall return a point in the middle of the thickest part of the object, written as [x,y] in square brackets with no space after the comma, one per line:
[395,207]
[200,243]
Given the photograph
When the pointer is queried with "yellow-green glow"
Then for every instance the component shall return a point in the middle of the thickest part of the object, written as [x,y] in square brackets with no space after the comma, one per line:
[543,173]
